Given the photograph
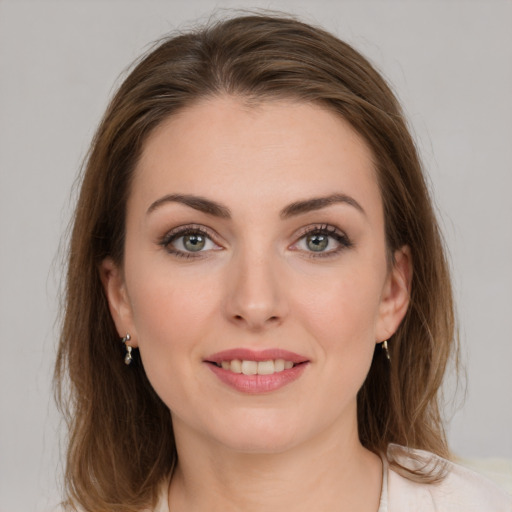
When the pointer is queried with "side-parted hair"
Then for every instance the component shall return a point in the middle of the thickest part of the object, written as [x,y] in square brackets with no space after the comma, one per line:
[121,443]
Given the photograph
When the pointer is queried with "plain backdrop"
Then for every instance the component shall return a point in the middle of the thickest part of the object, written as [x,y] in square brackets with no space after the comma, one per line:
[450,63]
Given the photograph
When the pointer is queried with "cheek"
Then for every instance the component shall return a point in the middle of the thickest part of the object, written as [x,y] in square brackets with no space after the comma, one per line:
[167,304]
[171,315]
[347,330]
[341,316]
[342,309]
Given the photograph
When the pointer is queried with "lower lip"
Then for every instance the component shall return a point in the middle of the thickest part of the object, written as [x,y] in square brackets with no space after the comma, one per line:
[255,384]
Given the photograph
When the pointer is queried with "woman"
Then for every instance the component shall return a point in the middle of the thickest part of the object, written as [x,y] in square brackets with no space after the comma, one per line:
[258,311]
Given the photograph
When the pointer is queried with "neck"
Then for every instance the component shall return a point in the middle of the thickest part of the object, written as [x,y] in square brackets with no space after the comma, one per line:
[327,473]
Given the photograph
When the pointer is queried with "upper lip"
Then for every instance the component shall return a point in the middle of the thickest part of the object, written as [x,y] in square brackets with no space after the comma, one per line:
[245,354]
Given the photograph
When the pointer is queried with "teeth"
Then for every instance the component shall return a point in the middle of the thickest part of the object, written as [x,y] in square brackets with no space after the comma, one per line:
[235,366]
[266,367]
[249,367]
[279,365]
[256,367]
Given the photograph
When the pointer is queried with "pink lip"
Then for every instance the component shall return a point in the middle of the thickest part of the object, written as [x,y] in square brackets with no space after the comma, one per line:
[257,384]
[254,384]
[256,355]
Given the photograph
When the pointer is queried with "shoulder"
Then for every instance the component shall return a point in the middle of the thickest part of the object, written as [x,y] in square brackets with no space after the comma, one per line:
[461,490]
[163,495]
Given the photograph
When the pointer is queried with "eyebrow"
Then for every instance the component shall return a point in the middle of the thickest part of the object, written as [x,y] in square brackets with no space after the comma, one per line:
[217,210]
[197,202]
[317,203]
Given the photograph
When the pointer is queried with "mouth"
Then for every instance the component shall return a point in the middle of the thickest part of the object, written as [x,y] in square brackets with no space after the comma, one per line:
[250,367]
[257,371]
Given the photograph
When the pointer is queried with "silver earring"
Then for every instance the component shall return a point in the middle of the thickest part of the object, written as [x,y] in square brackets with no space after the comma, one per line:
[385,348]
[128,357]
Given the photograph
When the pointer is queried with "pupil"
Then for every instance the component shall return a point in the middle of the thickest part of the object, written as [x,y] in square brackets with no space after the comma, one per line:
[317,242]
[193,242]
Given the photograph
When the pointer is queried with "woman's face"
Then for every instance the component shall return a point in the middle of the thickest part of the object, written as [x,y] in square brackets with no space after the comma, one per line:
[255,244]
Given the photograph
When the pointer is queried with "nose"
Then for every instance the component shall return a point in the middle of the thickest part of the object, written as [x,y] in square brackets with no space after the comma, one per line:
[255,297]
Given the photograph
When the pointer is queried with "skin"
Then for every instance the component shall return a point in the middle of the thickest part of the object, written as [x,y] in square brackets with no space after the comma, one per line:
[257,284]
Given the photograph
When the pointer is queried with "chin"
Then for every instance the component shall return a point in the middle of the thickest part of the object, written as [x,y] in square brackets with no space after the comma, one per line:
[260,445]
[260,435]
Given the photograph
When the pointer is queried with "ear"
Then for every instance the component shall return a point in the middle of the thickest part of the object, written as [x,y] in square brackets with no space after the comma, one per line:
[114,285]
[396,295]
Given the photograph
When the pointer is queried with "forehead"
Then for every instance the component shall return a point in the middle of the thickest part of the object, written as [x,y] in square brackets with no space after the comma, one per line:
[278,150]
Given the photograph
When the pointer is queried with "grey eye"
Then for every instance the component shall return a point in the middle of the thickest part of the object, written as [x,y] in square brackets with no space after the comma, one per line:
[317,242]
[194,243]
[189,242]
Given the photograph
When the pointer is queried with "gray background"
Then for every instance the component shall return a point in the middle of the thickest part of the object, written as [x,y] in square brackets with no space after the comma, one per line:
[450,63]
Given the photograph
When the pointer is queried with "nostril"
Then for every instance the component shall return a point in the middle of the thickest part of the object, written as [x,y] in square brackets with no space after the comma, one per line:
[269,319]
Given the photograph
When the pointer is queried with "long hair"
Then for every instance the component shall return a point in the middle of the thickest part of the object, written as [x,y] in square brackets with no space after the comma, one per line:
[120,433]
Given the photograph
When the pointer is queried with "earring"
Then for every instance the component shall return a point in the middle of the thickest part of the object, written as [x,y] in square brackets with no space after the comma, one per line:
[386,350]
[128,357]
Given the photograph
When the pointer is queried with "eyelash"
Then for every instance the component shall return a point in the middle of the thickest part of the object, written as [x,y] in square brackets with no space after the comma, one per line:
[325,229]
[319,229]
[175,234]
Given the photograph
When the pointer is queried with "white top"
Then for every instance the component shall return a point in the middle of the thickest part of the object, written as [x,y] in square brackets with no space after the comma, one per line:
[462,490]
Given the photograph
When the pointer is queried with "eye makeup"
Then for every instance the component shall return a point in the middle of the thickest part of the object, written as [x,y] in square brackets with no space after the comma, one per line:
[314,241]
[322,241]
[190,241]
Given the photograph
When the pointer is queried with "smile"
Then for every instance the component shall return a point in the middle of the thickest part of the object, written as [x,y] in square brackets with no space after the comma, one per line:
[255,372]
[248,367]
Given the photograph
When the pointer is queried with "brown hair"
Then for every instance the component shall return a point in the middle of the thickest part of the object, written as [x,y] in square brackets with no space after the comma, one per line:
[121,444]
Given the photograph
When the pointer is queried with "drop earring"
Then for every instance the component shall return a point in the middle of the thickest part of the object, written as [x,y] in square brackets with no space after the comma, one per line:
[386,350]
[128,356]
